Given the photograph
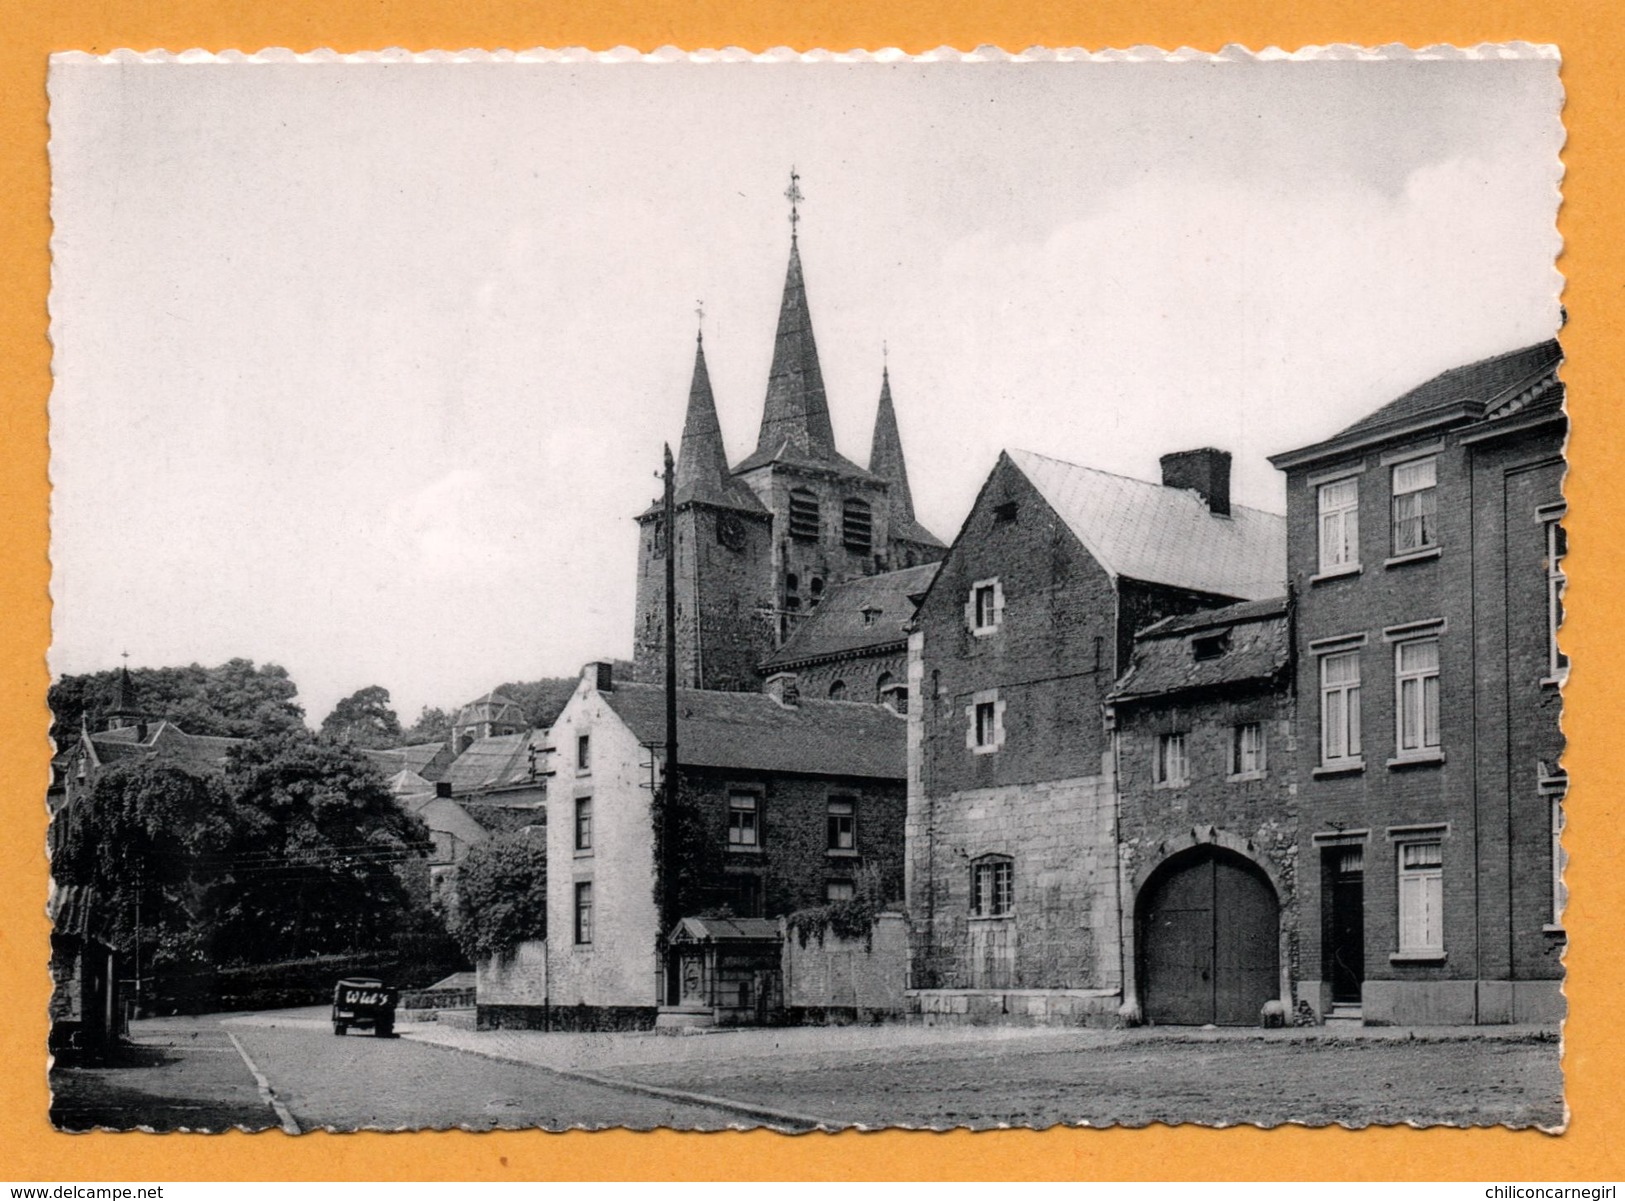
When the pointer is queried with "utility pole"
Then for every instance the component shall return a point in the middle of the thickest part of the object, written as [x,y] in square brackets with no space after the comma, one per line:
[668,792]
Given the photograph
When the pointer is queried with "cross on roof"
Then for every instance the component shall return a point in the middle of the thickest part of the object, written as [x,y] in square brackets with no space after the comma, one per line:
[794,196]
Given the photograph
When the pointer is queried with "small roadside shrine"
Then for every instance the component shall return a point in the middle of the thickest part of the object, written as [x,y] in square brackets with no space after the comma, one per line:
[724,971]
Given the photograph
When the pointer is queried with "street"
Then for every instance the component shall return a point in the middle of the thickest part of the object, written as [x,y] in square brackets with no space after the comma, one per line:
[199,1073]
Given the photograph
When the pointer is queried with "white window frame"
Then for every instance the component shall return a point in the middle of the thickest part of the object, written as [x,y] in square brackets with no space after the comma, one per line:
[992,886]
[1411,702]
[977,728]
[1427,521]
[1347,693]
[1240,768]
[583,922]
[1339,552]
[583,808]
[741,802]
[1170,760]
[1557,663]
[1554,785]
[1420,932]
[983,621]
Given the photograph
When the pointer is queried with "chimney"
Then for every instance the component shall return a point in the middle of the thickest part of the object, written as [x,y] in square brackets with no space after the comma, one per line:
[442,788]
[783,688]
[1205,472]
[601,674]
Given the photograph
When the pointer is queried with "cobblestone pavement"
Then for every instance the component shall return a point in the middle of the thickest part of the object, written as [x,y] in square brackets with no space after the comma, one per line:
[361,1082]
[992,1076]
[179,1074]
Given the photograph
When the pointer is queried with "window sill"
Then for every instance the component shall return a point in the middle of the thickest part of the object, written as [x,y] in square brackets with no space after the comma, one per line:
[842,853]
[992,917]
[1556,931]
[1338,769]
[583,771]
[1420,555]
[1431,758]
[1171,785]
[1335,573]
[1417,957]
[1242,777]
[586,854]
[734,849]
[983,631]
[983,750]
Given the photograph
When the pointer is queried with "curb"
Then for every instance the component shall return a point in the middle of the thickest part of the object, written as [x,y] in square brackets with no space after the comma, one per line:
[267,1093]
[784,1120]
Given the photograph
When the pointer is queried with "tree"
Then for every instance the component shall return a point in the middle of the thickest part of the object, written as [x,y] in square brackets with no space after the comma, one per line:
[149,838]
[314,859]
[365,719]
[501,896]
[432,725]
[236,699]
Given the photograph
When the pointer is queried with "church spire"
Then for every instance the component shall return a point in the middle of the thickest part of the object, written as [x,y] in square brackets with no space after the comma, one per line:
[702,461]
[796,413]
[886,461]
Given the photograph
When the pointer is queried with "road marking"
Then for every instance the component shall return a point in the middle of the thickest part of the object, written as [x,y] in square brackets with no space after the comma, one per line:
[783,1119]
[267,1093]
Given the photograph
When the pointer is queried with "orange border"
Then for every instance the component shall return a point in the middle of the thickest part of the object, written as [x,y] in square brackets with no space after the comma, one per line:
[1589,33]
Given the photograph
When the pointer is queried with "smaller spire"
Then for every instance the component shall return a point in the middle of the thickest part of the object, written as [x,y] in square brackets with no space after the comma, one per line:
[886,461]
[702,461]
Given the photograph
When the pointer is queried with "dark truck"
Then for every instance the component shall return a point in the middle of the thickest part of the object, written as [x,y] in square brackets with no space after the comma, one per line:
[362,1001]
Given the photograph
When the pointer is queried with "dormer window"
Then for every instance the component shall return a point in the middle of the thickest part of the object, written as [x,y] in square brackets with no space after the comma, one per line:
[857,527]
[869,613]
[804,515]
[1210,646]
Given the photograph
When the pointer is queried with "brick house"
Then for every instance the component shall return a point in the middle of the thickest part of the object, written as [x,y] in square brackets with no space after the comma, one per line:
[1425,550]
[795,799]
[1012,852]
[1207,815]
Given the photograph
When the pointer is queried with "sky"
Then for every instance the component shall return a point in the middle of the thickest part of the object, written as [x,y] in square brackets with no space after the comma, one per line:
[364,369]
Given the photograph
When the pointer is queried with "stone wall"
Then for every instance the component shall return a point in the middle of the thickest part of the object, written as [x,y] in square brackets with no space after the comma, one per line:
[840,976]
[519,979]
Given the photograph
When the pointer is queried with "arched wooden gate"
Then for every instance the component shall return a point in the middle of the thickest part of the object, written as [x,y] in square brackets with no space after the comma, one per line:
[1209,939]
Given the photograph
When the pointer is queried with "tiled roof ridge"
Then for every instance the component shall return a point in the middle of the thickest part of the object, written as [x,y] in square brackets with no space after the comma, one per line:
[1133,479]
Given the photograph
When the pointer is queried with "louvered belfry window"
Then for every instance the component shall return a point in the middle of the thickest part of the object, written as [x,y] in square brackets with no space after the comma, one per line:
[857,530]
[804,515]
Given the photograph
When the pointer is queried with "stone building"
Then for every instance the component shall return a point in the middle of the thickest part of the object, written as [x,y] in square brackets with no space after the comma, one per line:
[1425,547]
[795,799]
[1207,816]
[760,545]
[1012,853]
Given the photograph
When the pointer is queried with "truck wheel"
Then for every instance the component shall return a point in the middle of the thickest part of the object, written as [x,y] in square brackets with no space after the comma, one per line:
[386,1030]
[339,1028]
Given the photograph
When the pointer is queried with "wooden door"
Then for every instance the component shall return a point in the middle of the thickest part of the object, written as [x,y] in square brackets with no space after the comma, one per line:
[1345,924]
[1209,939]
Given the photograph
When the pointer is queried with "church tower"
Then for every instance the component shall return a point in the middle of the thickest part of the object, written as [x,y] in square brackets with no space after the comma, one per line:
[722,539]
[759,545]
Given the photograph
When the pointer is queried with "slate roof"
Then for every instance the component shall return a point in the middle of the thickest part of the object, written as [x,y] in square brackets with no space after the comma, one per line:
[446,816]
[752,731]
[838,627]
[1258,648]
[203,752]
[702,474]
[493,706]
[1161,535]
[426,759]
[726,929]
[490,763]
[1488,382]
[886,460]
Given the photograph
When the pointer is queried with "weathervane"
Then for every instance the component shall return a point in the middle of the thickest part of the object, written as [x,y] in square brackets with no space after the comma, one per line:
[699,317]
[794,196]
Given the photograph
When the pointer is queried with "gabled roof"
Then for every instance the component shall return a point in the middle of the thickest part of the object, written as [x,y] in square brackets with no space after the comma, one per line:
[838,626]
[1160,535]
[725,929]
[200,752]
[1256,646]
[426,759]
[1492,387]
[886,461]
[445,816]
[490,763]
[753,732]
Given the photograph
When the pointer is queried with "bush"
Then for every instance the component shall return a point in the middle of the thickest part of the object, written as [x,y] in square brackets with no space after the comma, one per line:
[501,896]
